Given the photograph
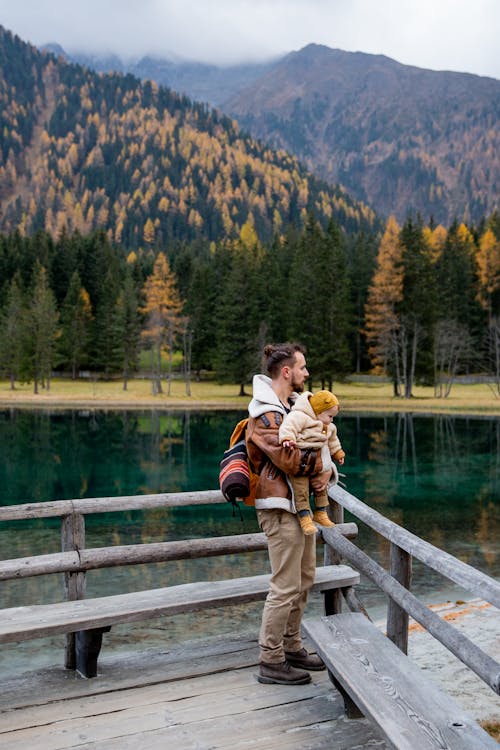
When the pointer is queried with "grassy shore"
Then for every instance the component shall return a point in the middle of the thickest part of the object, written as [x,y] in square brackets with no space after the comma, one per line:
[376,397]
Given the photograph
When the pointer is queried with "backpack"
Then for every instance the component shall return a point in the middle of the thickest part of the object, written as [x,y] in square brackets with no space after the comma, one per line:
[237,480]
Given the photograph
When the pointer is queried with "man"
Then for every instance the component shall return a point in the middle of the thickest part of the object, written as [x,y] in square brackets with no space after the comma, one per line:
[292,554]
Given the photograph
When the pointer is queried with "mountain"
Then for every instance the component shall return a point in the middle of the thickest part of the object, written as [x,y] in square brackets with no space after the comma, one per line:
[84,150]
[202,82]
[398,137]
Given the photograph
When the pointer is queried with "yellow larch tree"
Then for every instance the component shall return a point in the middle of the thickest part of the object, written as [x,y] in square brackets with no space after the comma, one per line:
[149,232]
[162,308]
[488,268]
[384,294]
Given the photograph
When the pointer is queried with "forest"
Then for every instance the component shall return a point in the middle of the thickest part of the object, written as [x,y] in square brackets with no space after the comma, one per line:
[145,233]
[420,303]
[85,152]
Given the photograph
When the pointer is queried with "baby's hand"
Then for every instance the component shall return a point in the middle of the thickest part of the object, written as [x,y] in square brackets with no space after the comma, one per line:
[288,444]
[341,461]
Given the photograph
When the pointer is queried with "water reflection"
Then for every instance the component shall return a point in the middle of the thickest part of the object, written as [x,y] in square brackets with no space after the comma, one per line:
[437,476]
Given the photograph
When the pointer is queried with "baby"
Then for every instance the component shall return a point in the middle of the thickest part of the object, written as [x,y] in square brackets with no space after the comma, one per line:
[309,425]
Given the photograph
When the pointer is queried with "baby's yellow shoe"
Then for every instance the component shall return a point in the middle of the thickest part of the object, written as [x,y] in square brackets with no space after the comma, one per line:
[307,525]
[321,517]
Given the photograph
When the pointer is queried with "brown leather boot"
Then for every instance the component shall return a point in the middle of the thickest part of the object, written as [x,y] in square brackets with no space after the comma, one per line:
[282,674]
[307,525]
[321,517]
[304,660]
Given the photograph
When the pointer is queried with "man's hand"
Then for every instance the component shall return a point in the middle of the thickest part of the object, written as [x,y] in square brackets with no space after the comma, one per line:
[319,482]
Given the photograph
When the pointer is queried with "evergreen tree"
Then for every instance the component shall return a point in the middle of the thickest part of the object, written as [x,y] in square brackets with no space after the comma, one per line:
[105,281]
[361,253]
[203,298]
[273,290]
[127,328]
[319,306]
[11,331]
[455,276]
[41,331]
[238,316]
[417,313]
[76,320]
[336,359]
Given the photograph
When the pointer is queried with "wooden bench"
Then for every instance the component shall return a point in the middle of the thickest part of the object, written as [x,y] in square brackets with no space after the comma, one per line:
[410,710]
[90,618]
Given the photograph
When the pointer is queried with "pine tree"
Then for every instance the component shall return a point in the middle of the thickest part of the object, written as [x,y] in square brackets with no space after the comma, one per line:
[12,332]
[41,331]
[361,253]
[201,300]
[273,297]
[127,328]
[238,317]
[418,308]
[319,305]
[76,319]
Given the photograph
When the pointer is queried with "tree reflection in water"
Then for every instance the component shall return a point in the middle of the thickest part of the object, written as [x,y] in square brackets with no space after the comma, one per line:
[437,476]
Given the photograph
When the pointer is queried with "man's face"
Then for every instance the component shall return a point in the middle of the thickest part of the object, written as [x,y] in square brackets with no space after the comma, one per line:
[299,373]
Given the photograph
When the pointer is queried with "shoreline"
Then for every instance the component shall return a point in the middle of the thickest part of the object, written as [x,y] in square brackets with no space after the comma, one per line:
[360,397]
[479,621]
[58,402]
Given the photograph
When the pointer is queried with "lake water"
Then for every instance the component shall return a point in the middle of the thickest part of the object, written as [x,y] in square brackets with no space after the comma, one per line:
[437,476]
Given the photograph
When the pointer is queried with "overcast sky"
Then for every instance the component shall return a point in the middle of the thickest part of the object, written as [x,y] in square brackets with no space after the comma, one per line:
[460,35]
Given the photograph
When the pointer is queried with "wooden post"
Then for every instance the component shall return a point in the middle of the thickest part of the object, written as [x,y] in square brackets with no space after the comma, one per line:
[333,597]
[397,618]
[72,538]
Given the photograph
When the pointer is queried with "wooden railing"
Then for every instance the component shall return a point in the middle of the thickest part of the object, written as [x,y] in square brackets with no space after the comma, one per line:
[402,604]
[75,559]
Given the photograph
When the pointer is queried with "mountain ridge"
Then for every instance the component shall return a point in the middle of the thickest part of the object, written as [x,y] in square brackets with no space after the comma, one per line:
[383,124]
[400,138]
[83,151]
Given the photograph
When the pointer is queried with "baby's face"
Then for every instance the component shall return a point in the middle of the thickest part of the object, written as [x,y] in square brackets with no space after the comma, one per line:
[327,416]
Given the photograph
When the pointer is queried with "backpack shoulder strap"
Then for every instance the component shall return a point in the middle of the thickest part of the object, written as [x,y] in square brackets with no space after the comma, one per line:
[238,432]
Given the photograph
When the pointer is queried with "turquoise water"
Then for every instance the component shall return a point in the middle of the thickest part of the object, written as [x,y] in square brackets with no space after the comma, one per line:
[437,476]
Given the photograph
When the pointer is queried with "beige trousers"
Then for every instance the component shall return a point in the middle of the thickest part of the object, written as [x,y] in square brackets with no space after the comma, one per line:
[301,494]
[292,555]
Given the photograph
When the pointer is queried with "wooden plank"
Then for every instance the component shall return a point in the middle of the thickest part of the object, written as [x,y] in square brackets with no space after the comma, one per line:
[410,710]
[59,508]
[466,576]
[481,663]
[290,717]
[216,713]
[23,623]
[134,554]
[121,671]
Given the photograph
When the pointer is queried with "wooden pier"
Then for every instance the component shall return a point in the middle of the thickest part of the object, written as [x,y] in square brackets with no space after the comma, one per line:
[199,696]
[204,695]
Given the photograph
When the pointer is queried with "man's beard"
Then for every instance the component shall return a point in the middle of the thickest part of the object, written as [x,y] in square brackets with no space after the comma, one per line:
[298,387]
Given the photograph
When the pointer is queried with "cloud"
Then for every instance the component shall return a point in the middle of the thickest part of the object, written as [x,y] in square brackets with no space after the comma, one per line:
[443,34]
